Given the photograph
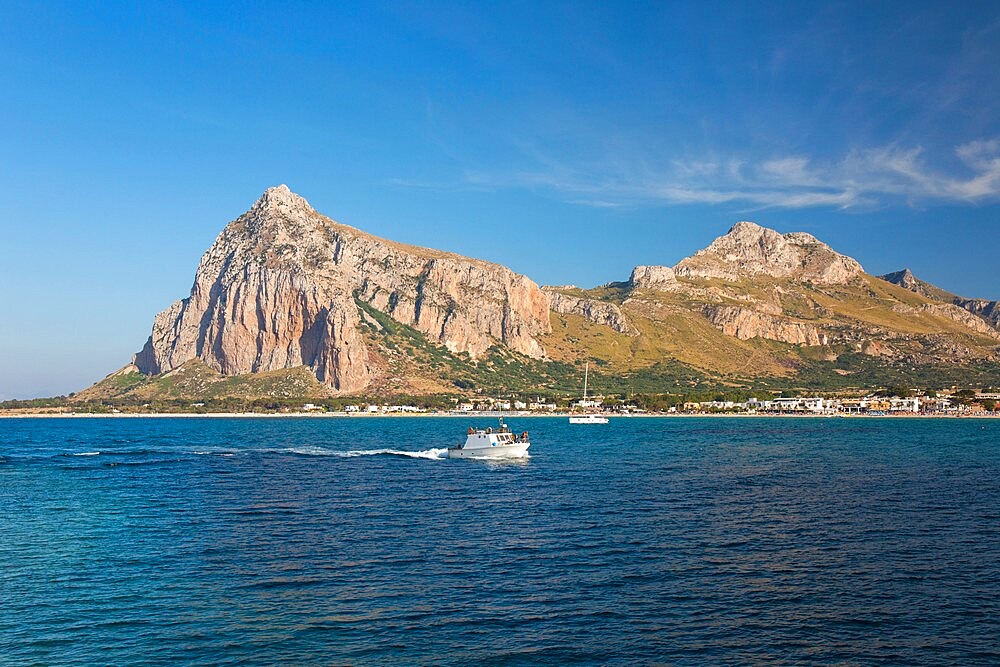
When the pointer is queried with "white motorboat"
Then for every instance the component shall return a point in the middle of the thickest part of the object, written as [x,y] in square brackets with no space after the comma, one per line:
[591,418]
[588,419]
[491,443]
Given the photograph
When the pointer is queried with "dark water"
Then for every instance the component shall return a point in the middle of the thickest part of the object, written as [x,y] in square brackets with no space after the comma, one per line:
[687,541]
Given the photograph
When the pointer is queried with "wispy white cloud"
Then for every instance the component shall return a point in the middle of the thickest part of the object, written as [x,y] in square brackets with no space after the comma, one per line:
[858,179]
[597,203]
[789,170]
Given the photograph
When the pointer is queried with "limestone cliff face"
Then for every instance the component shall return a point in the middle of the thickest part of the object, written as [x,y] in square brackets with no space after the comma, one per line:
[750,250]
[653,277]
[601,312]
[277,290]
[988,310]
[747,323]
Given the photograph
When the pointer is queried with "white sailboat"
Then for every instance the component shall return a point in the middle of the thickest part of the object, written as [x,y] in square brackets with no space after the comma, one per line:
[592,418]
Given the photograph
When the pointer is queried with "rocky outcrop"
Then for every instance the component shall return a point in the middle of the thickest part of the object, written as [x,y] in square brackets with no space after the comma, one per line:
[746,323]
[277,289]
[907,280]
[986,310]
[750,250]
[653,277]
[874,348]
[601,312]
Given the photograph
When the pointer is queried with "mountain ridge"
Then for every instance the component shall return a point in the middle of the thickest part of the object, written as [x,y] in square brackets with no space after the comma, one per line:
[986,309]
[285,287]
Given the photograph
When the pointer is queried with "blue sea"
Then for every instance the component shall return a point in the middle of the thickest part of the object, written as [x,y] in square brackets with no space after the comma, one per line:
[350,541]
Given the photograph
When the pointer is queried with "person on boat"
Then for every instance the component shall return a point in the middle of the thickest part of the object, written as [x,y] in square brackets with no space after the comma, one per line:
[471,430]
[524,437]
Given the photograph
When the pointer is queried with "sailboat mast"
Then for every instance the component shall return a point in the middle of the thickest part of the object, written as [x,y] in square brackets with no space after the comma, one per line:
[586,371]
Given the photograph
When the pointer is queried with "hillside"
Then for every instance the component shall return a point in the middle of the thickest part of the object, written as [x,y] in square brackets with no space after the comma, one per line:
[988,310]
[288,302]
[758,303]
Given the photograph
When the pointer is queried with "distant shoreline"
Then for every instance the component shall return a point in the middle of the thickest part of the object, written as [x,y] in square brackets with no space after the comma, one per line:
[512,415]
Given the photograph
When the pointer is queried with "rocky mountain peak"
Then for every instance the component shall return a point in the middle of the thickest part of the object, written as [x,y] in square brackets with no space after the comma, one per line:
[773,245]
[907,280]
[277,204]
[280,198]
[282,286]
[745,229]
[904,278]
[749,250]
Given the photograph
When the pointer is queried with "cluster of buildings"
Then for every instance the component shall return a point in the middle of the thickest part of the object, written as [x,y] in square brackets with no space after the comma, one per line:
[498,404]
[374,409]
[813,405]
[870,405]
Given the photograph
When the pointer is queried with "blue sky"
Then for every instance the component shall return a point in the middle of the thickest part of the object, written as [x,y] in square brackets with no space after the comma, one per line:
[567,141]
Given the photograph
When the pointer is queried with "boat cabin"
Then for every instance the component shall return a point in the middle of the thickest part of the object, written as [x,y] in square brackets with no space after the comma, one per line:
[485,437]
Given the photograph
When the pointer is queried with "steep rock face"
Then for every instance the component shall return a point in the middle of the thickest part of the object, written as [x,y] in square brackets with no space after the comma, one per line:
[747,323]
[653,277]
[750,250]
[465,304]
[988,310]
[905,278]
[277,289]
[601,312]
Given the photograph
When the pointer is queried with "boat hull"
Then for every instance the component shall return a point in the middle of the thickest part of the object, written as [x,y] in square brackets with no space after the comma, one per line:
[588,420]
[515,450]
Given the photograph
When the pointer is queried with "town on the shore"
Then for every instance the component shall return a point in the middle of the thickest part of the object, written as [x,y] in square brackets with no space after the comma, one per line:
[944,403]
[899,401]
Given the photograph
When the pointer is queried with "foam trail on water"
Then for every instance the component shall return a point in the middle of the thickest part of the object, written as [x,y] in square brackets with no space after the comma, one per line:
[434,453]
[86,454]
[219,451]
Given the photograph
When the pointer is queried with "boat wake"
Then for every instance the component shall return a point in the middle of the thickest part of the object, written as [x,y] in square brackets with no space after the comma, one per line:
[433,453]
[216,451]
[119,455]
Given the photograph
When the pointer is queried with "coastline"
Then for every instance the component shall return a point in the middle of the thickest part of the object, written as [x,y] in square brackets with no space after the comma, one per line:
[511,415]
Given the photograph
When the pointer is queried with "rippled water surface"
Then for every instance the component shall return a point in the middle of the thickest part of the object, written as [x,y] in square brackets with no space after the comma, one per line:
[646,541]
